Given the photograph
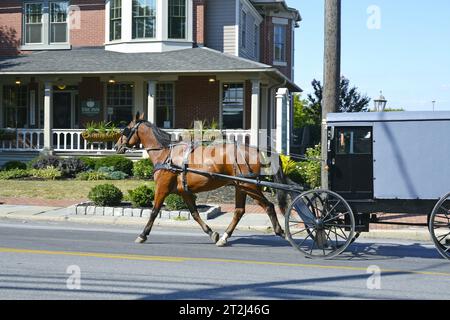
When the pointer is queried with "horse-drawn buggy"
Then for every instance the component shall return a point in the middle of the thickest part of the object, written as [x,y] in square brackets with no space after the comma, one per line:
[378,162]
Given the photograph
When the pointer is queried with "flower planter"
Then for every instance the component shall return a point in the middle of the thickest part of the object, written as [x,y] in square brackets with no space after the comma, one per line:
[101,137]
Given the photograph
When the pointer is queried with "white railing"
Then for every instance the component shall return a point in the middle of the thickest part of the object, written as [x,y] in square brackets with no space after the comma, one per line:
[71,140]
[24,140]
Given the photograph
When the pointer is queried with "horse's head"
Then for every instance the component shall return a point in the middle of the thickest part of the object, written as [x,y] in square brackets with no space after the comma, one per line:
[130,137]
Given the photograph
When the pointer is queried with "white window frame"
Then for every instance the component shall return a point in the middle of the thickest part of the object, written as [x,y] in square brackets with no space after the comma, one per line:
[46,43]
[283,58]
[155,17]
[173,101]
[110,22]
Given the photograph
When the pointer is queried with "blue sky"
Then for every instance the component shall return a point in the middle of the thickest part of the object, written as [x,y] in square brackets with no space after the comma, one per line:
[408,57]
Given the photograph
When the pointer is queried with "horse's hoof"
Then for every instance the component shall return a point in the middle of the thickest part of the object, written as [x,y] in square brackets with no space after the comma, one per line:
[215,237]
[140,239]
[221,243]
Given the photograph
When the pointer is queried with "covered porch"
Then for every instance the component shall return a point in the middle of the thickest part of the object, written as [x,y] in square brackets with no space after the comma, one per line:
[47,110]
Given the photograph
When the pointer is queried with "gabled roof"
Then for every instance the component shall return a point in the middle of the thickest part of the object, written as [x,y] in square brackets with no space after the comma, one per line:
[100,61]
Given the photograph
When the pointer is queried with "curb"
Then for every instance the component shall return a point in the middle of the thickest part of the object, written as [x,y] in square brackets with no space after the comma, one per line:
[421,235]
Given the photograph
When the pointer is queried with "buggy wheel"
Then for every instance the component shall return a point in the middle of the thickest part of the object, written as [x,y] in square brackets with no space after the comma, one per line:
[439,226]
[320,224]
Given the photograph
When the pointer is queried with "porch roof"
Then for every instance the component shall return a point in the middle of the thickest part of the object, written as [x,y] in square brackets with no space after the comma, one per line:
[101,61]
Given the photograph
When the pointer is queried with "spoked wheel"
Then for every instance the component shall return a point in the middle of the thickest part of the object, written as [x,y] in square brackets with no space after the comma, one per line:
[439,226]
[320,224]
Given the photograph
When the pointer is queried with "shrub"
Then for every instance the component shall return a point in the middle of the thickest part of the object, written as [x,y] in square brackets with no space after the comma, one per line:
[14,174]
[89,162]
[105,195]
[143,169]
[175,202]
[310,169]
[71,166]
[120,163]
[11,165]
[111,174]
[48,173]
[142,196]
[91,176]
[43,162]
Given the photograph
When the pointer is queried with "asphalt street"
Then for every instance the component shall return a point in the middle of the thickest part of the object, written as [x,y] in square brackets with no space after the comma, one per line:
[42,260]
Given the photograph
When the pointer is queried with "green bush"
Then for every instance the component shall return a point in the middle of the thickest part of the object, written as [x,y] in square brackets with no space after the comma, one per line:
[111,174]
[105,195]
[143,169]
[142,196]
[119,163]
[43,162]
[310,169]
[89,162]
[175,202]
[48,173]
[14,174]
[11,165]
[91,176]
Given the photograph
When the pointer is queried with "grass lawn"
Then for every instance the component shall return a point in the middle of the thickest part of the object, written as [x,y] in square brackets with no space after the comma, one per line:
[61,189]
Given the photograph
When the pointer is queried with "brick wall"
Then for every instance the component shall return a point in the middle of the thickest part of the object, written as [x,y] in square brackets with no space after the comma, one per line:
[92,24]
[196,99]
[199,21]
[267,45]
[10,26]
[90,19]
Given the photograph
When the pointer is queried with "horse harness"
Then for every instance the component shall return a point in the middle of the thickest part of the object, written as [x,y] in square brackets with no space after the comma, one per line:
[169,165]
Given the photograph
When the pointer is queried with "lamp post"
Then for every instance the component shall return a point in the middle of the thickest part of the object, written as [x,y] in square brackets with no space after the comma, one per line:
[433,102]
[380,103]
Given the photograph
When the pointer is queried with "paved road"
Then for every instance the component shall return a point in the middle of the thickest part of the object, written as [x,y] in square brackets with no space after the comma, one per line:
[41,261]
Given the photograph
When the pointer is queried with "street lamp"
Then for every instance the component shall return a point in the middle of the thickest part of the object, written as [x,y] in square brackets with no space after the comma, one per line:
[433,102]
[380,103]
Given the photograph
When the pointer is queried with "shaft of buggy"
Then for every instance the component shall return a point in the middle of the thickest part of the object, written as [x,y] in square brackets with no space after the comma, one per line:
[258,182]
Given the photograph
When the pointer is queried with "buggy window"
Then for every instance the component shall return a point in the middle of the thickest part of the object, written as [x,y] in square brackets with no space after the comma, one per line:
[354,141]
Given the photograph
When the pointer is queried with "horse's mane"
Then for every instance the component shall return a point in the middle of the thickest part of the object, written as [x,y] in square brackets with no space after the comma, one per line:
[163,138]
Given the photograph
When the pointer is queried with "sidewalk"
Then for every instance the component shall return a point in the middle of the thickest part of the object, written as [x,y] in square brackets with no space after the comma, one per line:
[251,221]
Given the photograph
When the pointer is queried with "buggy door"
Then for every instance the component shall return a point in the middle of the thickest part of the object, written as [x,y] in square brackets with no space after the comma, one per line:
[352,162]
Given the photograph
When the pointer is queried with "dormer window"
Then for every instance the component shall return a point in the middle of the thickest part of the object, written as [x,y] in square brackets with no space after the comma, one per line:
[144,19]
[115,18]
[177,19]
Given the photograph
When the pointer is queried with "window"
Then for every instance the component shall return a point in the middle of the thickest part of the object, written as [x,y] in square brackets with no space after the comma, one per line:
[233,106]
[280,43]
[119,98]
[177,19]
[58,22]
[354,141]
[15,106]
[144,19]
[115,17]
[244,29]
[33,23]
[165,105]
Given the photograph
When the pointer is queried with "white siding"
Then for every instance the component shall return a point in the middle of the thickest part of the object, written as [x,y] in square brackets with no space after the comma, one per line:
[221,25]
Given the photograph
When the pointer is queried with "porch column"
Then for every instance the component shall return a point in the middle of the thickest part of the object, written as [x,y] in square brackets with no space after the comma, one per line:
[48,116]
[282,119]
[254,121]
[151,101]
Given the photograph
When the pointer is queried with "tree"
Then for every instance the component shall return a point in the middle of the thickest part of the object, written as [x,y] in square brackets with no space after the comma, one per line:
[350,100]
[302,116]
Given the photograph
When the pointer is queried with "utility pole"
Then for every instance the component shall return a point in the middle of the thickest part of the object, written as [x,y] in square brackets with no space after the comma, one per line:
[332,74]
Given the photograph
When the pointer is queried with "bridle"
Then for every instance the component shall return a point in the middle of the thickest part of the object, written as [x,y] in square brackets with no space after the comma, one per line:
[129,132]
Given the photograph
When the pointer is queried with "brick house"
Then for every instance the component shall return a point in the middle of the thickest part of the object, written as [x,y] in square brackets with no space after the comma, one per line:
[64,63]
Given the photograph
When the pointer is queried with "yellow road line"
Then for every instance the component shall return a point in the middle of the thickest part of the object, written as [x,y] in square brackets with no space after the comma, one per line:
[216,260]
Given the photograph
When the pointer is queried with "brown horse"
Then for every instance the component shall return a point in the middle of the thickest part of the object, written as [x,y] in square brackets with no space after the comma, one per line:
[222,158]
